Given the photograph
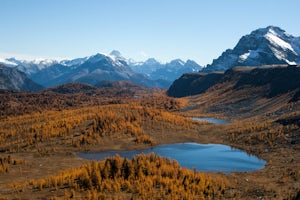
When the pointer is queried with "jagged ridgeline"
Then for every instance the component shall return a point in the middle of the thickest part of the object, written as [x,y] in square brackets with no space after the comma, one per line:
[102,67]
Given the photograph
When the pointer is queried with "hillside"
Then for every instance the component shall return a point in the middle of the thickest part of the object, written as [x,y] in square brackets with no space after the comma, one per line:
[193,83]
[268,81]
[244,91]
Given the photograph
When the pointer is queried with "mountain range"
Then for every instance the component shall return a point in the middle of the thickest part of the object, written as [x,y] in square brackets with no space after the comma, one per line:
[101,67]
[264,46]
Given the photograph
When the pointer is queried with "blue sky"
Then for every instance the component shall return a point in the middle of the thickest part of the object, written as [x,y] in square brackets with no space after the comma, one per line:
[165,29]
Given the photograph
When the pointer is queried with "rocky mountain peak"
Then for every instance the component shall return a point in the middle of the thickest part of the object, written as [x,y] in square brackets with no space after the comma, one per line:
[264,46]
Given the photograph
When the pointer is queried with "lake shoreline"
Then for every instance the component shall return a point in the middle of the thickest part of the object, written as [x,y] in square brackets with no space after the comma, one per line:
[202,157]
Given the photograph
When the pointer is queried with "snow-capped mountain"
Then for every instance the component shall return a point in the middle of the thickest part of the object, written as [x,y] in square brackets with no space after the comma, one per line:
[29,67]
[34,66]
[156,70]
[175,69]
[147,67]
[90,70]
[265,46]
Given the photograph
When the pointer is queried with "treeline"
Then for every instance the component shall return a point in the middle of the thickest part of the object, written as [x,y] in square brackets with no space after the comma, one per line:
[87,126]
[143,177]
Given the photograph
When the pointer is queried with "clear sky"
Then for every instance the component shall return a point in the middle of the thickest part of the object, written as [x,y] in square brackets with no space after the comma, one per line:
[164,29]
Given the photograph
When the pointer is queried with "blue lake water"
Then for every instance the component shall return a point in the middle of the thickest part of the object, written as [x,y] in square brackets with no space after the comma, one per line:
[211,120]
[202,157]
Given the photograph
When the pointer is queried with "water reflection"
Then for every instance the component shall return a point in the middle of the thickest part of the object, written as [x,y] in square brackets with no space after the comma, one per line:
[211,120]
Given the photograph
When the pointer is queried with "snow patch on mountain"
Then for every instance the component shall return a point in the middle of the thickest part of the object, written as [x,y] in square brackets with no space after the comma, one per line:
[74,62]
[251,54]
[275,40]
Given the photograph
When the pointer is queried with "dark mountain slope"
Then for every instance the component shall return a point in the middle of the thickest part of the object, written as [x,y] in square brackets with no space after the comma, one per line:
[277,80]
[12,79]
[273,80]
[193,83]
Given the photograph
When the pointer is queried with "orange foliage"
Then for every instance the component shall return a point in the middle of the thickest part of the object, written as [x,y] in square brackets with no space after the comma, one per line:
[149,176]
[85,126]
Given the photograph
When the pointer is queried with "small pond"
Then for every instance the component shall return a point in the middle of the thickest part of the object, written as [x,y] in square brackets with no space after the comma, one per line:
[202,157]
[211,120]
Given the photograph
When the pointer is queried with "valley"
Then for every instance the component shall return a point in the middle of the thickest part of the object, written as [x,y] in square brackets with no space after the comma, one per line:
[39,143]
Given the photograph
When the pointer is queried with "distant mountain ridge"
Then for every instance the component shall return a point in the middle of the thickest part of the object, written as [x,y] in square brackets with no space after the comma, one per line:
[168,71]
[89,70]
[101,67]
[264,46]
